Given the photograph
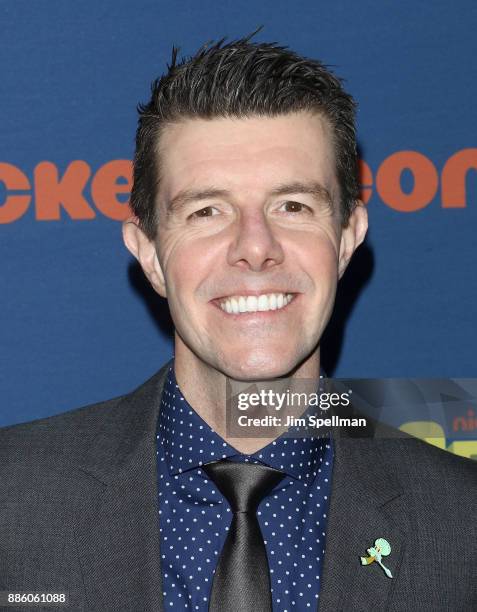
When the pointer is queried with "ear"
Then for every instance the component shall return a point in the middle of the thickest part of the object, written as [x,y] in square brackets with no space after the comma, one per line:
[144,250]
[352,236]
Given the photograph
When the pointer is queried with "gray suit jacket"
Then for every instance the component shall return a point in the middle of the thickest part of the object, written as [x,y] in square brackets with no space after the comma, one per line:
[79,513]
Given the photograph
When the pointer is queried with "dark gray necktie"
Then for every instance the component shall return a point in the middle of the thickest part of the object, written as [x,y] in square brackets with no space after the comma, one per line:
[242,579]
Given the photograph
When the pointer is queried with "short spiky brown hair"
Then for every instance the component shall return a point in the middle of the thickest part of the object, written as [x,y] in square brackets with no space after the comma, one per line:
[242,79]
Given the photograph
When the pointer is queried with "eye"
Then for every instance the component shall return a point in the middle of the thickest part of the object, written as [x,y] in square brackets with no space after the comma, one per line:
[295,207]
[207,211]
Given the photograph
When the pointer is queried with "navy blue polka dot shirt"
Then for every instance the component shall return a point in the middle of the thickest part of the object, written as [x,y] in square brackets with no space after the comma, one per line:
[194,517]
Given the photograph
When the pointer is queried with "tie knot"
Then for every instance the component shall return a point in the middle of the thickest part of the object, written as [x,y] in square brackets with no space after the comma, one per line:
[243,485]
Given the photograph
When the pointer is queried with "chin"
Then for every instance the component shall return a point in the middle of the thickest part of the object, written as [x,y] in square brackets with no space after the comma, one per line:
[258,366]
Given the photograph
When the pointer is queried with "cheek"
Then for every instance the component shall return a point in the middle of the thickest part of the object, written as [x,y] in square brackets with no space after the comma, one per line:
[180,277]
[319,260]
[185,263]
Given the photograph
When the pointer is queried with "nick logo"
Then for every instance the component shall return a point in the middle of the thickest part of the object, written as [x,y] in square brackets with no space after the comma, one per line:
[465,423]
[108,188]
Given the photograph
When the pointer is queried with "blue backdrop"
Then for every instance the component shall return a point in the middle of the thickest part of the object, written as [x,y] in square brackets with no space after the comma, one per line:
[79,323]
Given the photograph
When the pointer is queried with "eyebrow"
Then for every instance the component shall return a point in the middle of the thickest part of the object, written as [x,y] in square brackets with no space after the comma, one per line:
[314,188]
[194,195]
[186,196]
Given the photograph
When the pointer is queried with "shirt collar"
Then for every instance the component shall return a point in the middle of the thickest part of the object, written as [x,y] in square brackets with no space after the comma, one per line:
[188,441]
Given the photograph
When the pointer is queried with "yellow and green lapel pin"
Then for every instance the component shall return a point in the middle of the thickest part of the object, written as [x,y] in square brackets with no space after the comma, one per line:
[381,549]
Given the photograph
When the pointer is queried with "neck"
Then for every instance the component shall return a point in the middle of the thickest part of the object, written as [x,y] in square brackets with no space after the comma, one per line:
[204,388]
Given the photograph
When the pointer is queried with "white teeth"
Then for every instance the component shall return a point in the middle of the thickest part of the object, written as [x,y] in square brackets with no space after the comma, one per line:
[263,303]
[251,303]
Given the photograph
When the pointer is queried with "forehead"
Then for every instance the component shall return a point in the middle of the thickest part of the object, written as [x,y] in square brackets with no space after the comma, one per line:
[253,153]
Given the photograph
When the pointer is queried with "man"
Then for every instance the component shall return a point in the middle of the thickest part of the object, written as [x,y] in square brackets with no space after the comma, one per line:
[246,213]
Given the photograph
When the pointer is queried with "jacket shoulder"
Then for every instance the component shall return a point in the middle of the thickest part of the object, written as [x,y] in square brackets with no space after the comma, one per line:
[66,435]
[446,482]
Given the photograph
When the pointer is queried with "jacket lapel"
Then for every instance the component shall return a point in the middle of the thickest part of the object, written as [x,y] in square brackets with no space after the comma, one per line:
[117,529]
[366,503]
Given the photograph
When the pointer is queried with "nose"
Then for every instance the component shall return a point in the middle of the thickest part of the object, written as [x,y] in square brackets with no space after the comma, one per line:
[254,246]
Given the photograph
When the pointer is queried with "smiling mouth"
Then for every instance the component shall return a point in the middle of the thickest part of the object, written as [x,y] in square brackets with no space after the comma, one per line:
[242,304]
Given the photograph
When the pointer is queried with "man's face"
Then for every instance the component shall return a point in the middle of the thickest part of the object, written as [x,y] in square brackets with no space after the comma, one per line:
[248,243]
